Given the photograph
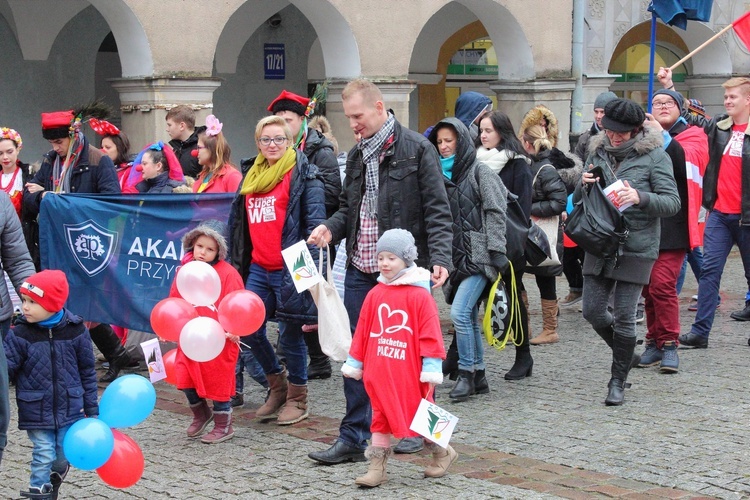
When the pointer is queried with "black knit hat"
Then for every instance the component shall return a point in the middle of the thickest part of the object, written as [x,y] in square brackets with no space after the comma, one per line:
[676,97]
[622,115]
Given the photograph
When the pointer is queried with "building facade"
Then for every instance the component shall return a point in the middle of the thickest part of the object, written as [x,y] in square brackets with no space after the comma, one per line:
[232,57]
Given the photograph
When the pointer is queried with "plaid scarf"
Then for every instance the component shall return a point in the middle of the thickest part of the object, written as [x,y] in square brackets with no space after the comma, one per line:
[371,149]
[61,173]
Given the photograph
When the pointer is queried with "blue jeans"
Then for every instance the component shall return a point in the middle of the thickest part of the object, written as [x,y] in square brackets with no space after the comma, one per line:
[194,399]
[48,455]
[722,232]
[4,389]
[695,258]
[267,284]
[465,317]
[246,361]
[355,426]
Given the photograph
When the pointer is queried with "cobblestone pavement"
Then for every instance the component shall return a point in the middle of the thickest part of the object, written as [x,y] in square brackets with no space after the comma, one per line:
[550,435]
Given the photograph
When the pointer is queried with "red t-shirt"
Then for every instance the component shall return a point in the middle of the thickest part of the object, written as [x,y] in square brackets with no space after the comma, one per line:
[266,213]
[729,186]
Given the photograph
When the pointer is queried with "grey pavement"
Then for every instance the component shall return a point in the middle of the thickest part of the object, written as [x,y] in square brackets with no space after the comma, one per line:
[681,435]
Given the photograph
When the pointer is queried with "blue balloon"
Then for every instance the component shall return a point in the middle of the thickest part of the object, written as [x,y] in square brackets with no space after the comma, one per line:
[88,444]
[127,401]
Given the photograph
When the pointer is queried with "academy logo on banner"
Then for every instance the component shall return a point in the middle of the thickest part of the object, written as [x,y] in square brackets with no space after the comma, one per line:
[92,245]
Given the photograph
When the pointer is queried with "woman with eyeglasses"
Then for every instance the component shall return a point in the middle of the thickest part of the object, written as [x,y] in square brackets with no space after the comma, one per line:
[630,153]
[280,201]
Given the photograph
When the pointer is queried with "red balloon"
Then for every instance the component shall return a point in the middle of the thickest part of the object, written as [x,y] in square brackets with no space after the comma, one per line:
[169,316]
[169,358]
[242,313]
[125,467]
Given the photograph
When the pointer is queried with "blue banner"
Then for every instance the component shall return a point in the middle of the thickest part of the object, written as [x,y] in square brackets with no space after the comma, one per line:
[121,252]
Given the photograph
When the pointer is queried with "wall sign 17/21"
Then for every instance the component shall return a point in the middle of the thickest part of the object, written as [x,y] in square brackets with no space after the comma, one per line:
[274,61]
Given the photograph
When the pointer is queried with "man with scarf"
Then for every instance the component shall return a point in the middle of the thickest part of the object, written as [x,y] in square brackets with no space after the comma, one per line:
[393,180]
[75,166]
[687,147]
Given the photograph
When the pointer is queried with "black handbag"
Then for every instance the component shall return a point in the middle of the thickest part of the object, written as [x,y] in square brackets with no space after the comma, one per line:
[537,246]
[516,229]
[596,225]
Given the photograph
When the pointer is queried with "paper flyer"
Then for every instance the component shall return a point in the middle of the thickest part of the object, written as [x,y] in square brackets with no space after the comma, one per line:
[434,423]
[611,192]
[152,353]
[301,265]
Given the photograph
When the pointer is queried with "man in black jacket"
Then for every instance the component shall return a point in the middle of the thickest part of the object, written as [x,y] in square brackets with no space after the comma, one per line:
[319,151]
[393,180]
[89,171]
[184,138]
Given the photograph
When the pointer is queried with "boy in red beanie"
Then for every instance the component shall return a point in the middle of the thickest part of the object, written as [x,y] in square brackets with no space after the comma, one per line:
[51,359]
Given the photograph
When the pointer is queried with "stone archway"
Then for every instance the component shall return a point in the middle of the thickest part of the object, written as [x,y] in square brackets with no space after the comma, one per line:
[455,24]
[337,41]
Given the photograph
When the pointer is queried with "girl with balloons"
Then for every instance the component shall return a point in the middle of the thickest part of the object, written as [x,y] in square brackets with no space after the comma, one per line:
[212,379]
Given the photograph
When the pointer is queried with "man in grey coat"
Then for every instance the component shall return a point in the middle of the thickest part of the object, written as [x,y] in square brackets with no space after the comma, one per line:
[16,261]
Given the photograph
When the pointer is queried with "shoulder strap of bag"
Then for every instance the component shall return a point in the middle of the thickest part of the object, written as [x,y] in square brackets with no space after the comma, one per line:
[540,169]
[329,276]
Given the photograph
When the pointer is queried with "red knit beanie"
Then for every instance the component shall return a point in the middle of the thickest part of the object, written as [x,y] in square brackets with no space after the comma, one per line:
[47,288]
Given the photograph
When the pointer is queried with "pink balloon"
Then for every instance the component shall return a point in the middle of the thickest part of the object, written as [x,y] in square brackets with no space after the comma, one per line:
[202,339]
[199,283]
[242,312]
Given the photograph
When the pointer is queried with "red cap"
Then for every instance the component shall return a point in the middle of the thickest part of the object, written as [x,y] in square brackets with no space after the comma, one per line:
[48,288]
[294,103]
[57,119]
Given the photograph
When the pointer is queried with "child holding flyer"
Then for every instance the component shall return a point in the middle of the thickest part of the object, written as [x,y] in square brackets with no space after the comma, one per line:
[51,360]
[213,379]
[398,350]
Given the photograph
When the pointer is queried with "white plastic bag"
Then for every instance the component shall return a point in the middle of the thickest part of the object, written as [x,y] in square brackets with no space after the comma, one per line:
[333,321]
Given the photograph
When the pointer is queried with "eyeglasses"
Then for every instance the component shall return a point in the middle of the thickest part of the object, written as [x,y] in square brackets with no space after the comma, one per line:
[664,105]
[279,140]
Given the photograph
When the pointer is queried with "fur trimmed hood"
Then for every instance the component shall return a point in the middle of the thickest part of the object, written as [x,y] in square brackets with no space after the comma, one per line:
[214,229]
[534,117]
[646,142]
[569,166]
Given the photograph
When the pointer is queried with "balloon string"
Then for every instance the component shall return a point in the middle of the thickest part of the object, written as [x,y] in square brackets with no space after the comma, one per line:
[242,343]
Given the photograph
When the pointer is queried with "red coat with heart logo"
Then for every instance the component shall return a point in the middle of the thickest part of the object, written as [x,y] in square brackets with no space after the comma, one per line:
[398,326]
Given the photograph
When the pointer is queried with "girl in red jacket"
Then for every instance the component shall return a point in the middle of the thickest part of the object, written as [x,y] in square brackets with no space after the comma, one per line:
[213,379]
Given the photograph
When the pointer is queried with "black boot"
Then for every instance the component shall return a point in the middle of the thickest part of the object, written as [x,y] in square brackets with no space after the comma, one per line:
[36,494]
[464,386]
[57,478]
[320,365]
[450,365]
[481,386]
[622,356]
[524,363]
[110,346]
[608,334]
[742,315]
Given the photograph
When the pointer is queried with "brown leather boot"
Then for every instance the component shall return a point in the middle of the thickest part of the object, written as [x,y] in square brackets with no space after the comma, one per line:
[442,458]
[276,398]
[549,320]
[295,408]
[376,474]
[222,430]
[525,299]
[202,416]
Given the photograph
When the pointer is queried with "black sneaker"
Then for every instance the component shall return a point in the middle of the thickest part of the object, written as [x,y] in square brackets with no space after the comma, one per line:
[640,313]
[693,340]
[237,400]
[744,314]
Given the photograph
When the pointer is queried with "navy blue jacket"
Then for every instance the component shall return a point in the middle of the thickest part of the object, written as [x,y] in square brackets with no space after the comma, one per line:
[305,211]
[53,369]
[94,173]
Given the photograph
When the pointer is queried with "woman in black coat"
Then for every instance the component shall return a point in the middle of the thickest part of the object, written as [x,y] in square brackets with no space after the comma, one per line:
[548,199]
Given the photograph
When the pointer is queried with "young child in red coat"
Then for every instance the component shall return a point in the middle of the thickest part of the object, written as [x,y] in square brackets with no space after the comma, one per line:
[398,350]
[213,379]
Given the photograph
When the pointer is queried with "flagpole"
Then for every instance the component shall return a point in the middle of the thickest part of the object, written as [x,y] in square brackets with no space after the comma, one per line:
[701,46]
[652,61]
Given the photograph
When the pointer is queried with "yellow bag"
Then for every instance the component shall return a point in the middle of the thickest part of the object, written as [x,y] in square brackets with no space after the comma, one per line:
[502,314]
